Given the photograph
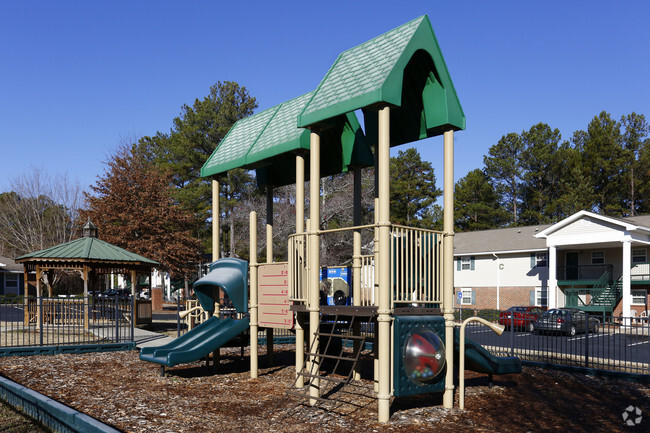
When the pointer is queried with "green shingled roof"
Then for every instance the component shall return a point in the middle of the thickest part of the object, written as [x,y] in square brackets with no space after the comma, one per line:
[266,141]
[86,248]
[403,68]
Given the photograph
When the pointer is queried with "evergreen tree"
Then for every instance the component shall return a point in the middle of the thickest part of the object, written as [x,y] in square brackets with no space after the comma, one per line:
[195,135]
[502,165]
[413,188]
[602,159]
[635,143]
[541,171]
[476,206]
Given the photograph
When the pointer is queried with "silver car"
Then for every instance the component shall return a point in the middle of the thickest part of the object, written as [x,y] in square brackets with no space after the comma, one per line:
[566,321]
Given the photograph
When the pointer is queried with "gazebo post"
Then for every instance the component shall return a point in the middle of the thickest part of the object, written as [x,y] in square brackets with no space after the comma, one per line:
[85,301]
[39,311]
[134,313]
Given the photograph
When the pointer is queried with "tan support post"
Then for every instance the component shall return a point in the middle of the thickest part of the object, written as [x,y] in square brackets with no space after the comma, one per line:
[314,260]
[215,221]
[215,236]
[86,303]
[39,311]
[448,266]
[254,293]
[134,282]
[300,228]
[269,259]
[356,264]
[384,310]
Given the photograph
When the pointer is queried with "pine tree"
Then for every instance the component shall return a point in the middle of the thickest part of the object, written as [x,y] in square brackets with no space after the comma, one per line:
[476,206]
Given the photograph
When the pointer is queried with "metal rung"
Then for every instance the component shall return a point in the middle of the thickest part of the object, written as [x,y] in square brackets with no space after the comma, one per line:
[328,378]
[326,356]
[342,336]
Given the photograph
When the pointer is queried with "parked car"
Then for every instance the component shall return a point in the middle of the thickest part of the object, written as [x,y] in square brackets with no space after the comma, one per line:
[112,293]
[520,317]
[566,321]
[143,295]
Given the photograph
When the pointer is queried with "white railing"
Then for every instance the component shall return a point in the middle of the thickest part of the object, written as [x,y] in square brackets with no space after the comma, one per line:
[640,272]
[416,267]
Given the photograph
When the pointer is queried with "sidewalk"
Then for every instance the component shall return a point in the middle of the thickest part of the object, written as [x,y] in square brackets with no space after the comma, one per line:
[144,338]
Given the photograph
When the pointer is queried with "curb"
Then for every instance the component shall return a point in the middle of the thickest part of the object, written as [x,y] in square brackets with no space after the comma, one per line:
[49,412]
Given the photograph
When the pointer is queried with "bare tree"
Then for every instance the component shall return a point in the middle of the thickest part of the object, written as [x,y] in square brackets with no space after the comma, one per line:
[40,211]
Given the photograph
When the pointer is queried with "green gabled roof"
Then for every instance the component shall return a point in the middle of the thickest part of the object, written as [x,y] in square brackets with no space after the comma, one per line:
[266,142]
[86,249]
[232,150]
[404,68]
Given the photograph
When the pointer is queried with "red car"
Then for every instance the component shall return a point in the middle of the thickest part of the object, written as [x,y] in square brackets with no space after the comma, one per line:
[523,317]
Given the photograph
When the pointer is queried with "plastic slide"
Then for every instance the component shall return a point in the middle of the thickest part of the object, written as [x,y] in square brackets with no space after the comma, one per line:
[197,343]
[478,359]
[229,275]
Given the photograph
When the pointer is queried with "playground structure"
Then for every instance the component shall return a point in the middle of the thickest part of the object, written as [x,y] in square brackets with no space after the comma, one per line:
[403,288]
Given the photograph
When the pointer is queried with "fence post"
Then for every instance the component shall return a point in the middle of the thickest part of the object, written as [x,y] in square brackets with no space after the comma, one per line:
[586,340]
[512,333]
[178,316]
[40,318]
[134,314]
[117,319]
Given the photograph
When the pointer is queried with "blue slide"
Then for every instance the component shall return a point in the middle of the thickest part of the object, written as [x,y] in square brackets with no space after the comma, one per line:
[229,275]
[197,343]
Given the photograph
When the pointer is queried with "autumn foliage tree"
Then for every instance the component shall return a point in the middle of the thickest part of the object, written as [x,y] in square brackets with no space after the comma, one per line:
[133,208]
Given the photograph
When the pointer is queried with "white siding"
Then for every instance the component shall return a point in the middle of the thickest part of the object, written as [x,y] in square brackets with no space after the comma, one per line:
[516,272]
[587,226]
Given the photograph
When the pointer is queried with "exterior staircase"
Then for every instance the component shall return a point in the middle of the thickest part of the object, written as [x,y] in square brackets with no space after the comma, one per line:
[604,295]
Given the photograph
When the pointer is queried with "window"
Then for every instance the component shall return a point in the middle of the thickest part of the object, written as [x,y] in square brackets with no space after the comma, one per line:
[465,263]
[639,255]
[541,261]
[11,281]
[597,257]
[540,297]
[639,296]
[467,297]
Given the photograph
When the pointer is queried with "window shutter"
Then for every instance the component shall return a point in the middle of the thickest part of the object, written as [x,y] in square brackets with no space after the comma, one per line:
[458,264]
[471,264]
[532,297]
[533,262]
[473,297]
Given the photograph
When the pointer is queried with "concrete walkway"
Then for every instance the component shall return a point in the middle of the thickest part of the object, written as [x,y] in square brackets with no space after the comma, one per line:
[144,338]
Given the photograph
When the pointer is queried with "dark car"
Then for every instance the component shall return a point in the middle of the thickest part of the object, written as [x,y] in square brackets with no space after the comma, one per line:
[520,317]
[112,293]
[566,321]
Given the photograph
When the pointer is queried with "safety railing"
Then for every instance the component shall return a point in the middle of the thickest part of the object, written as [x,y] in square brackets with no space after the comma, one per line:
[416,266]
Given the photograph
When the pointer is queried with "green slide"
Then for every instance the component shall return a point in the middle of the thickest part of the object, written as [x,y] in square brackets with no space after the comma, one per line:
[478,359]
[197,343]
[229,275]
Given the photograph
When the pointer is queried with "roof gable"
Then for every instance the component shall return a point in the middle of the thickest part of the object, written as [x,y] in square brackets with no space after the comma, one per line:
[382,70]
[266,142]
[585,222]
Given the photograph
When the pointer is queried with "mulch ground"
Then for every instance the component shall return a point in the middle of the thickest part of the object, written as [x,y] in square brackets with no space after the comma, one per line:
[124,392]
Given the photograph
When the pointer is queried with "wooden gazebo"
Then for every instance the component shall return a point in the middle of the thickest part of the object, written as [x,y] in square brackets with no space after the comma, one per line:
[90,257]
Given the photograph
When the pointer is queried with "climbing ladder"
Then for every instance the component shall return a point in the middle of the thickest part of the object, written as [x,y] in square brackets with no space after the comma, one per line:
[337,363]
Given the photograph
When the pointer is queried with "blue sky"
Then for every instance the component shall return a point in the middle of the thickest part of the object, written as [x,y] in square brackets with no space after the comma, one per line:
[77,78]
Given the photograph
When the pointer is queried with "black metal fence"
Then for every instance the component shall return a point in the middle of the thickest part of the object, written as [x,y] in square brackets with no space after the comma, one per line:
[53,323]
[603,342]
